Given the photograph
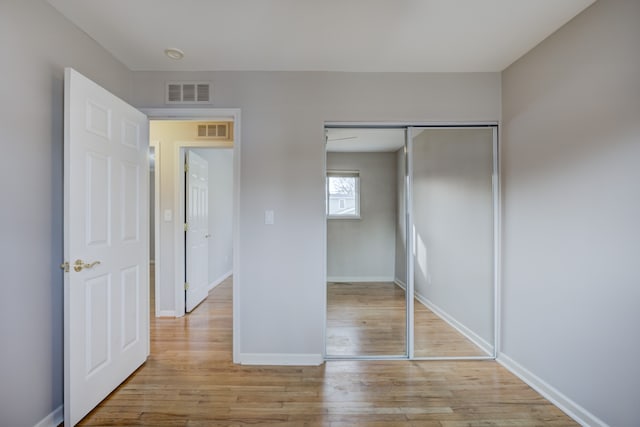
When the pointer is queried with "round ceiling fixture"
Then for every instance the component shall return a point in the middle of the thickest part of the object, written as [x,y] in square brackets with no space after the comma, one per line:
[174,53]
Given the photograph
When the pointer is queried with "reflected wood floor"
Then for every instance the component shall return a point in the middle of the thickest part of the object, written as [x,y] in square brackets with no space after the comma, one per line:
[369,319]
[365,319]
[190,380]
[436,338]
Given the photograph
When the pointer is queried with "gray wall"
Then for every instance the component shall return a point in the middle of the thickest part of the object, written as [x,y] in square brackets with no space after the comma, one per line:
[282,169]
[220,211]
[453,225]
[37,43]
[364,249]
[571,150]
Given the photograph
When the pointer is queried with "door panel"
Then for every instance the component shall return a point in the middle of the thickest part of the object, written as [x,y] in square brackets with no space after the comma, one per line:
[98,205]
[106,243]
[130,193]
[97,320]
[130,289]
[197,238]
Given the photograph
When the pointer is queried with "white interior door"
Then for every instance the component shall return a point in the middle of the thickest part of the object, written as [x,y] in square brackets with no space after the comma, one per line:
[197,235]
[106,243]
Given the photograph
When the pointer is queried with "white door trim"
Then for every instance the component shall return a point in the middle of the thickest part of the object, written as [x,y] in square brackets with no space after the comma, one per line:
[156,225]
[203,114]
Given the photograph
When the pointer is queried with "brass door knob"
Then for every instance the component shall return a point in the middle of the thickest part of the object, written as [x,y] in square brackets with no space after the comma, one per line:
[79,265]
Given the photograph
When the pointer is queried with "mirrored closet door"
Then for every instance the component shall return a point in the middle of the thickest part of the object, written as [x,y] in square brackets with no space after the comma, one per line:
[411,242]
[453,201]
[366,243]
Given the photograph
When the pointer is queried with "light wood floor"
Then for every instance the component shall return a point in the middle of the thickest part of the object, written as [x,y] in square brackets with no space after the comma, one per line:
[368,319]
[365,319]
[190,380]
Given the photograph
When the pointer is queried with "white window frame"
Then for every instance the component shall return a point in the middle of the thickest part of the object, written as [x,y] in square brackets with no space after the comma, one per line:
[344,174]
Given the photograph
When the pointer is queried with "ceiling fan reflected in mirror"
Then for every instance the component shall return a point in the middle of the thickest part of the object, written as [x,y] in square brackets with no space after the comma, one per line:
[343,138]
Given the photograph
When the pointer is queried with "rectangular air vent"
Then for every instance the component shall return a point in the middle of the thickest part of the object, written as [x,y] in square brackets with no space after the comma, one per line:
[188,93]
[213,130]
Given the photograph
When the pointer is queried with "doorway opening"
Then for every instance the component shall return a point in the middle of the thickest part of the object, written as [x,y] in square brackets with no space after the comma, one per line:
[172,293]
[194,248]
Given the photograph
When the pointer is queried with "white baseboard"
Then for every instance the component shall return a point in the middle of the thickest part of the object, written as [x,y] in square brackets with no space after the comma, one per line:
[277,359]
[54,419]
[166,313]
[468,333]
[359,279]
[566,405]
[220,279]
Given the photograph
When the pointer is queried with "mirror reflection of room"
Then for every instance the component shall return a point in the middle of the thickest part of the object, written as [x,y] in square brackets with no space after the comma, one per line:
[366,302]
[449,236]
[453,233]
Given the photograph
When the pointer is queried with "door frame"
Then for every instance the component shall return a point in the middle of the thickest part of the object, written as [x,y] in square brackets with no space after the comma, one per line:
[497,235]
[199,114]
[156,225]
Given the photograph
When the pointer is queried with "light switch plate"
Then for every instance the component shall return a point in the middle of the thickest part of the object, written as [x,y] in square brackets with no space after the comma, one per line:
[269,217]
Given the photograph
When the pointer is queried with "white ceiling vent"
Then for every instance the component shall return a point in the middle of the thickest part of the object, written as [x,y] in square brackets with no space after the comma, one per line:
[188,93]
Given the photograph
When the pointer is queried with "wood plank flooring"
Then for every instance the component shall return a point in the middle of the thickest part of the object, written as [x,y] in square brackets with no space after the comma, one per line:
[365,319]
[436,338]
[189,380]
[368,319]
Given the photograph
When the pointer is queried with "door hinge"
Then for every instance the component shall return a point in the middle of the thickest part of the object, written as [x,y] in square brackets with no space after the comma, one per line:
[186,286]
[186,226]
[186,167]
[65,266]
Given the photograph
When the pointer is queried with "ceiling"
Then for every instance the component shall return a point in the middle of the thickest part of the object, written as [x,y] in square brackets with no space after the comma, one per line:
[320,35]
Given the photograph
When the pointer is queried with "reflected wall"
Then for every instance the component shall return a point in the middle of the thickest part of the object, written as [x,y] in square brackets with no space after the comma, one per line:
[453,241]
